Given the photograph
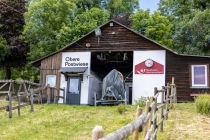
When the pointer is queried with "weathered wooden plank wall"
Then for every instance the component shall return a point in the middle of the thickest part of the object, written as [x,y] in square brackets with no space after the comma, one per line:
[51,66]
[119,38]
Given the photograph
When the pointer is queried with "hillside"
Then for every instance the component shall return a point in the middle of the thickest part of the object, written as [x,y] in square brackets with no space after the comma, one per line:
[65,122]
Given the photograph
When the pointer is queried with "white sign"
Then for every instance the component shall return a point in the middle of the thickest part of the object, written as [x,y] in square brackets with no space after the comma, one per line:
[75,59]
[143,84]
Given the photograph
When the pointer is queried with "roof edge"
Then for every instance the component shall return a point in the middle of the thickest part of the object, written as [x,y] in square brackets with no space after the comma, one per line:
[36,62]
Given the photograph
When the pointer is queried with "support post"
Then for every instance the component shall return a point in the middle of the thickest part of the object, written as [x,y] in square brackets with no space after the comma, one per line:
[48,94]
[167,100]
[136,131]
[32,100]
[55,95]
[175,95]
[154,112]
[10,100]
[64,95]
[162,110]
[95,104]
[19,102]
[147,110]
[172,93]
[97,133]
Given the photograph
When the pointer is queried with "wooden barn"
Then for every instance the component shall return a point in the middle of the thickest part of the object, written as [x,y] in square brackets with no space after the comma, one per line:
[81,66]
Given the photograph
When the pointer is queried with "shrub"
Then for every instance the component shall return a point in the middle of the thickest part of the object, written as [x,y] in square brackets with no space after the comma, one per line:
[203,104]
[121,108]
[141,102]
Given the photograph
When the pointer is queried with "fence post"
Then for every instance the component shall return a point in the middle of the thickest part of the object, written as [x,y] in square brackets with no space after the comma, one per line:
[162,110]
[55,95]
[172,93]
[97,133]
[167,100]
[19,105]
[64,95]
[48,94]
[32,100]
[175,95]
[154,112]
[147,110]
[10,100]
[136,131]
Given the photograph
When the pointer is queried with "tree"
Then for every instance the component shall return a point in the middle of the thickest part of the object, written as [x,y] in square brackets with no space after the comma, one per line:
[179,8]
[83,5]
[120,7]
[193,36]
[13,48]
[44,19]
[153,26]
[191,25]
[81,25]
[4,49]
[120,10]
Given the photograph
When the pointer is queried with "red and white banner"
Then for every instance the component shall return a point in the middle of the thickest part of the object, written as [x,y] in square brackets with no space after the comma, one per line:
[149,66]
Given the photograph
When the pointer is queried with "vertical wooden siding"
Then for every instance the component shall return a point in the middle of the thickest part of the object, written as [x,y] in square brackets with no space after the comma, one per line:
[118,38]
[51,66]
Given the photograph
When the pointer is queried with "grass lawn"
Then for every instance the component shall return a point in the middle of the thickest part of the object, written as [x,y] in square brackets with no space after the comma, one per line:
[184,123]
[63,122]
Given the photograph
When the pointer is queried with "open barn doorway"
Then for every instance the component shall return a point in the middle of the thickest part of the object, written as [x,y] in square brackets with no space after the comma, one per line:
[104,62]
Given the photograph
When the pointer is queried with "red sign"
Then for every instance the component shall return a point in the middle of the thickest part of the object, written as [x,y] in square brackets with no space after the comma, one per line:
[149,66]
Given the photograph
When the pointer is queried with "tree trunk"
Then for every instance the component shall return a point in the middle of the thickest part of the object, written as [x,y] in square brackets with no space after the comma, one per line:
[8,72]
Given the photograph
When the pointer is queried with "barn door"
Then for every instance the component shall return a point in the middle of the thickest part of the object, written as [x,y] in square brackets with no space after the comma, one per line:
[73,90]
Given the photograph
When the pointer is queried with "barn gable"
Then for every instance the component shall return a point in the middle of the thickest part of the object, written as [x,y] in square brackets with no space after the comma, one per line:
[114,36]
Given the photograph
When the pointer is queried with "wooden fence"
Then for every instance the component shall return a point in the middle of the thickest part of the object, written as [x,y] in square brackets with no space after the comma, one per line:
[148,122]
[24,93]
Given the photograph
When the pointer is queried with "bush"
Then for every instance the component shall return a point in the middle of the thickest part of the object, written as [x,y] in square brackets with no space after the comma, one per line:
[141,102]
[121,108]
[203,104]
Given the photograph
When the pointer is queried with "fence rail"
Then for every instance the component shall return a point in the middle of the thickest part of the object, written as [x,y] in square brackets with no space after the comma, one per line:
[29,91]
[153,117]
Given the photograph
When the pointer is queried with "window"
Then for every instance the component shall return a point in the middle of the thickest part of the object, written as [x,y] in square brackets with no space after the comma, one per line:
[51,80]
[199,75]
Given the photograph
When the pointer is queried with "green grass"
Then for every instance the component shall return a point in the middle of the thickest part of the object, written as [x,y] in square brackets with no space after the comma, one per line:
[64,122]
[203,104]
[184,123]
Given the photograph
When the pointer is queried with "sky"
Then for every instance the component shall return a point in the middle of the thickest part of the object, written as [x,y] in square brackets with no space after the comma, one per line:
[149,4]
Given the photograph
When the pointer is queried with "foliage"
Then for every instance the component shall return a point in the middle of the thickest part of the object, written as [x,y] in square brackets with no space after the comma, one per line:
[83,5]
[180,8]
[194,34]
[153,26]
[27,73]
[121,108]
[203,104]
[141,102]
[81,25]
[13,48]
[44,19]
[3,49]
[2,75]
[191,25]
[120,7]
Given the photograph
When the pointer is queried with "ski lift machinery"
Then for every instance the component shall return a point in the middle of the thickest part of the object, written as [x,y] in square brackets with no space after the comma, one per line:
[113,89]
